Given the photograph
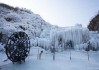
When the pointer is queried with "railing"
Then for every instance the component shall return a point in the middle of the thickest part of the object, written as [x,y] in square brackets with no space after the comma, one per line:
[70,54]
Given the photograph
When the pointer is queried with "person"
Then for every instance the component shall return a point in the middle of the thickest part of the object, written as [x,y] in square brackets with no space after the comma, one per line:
[40,54]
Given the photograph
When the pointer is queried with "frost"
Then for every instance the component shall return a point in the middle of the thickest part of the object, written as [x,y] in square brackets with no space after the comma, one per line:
[75,34]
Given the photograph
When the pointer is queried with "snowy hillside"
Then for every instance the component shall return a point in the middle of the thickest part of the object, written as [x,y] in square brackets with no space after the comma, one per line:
[41,33]
[15,19]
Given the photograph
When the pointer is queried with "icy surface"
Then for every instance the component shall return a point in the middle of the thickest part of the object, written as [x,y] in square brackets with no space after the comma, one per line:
[79,61]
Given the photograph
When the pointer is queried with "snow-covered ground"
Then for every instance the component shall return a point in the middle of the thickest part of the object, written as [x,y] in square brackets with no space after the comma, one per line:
[79,61]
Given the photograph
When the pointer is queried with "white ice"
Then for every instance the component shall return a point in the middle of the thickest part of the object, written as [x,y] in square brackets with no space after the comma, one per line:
[79,61]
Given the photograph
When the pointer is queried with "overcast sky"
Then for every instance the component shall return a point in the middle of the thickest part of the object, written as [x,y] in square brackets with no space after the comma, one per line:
[60,12]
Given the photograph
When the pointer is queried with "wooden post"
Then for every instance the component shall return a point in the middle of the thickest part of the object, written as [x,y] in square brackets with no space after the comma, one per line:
[54,53]
[53,56]
[88,49]
[38,54]
[70,54]
[88,55]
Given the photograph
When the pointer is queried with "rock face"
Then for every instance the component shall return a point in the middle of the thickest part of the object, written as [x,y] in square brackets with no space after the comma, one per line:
[94,23]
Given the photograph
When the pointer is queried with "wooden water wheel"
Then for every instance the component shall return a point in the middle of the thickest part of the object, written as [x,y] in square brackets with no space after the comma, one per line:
[18,47]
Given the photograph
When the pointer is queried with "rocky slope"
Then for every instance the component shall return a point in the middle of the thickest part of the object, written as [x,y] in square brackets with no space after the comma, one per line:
[94,23]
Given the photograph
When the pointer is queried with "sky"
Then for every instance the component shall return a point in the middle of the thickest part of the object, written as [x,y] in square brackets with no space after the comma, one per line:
[60,12]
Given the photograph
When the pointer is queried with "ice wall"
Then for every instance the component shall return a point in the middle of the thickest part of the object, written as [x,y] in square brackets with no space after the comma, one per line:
[77,35]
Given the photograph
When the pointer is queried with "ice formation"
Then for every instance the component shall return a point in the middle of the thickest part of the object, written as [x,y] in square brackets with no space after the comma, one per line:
[42,33]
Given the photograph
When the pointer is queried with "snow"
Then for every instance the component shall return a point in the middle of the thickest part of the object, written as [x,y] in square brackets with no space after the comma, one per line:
[41,32]
[21,20]
[3,59]
[1,47]
[44,36]
[79,61]
[78,35]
